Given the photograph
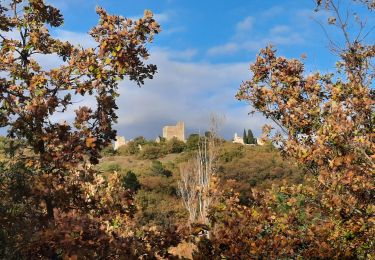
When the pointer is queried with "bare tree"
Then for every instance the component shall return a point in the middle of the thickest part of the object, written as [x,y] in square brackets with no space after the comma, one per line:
[196,175]
[187,187]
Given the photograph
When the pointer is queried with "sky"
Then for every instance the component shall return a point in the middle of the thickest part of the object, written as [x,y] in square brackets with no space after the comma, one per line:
[203,55]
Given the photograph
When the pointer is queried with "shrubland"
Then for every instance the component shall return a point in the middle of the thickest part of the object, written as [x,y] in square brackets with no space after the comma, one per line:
[240,169]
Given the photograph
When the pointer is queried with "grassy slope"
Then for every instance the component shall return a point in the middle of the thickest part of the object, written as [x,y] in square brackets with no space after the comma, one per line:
[240,168]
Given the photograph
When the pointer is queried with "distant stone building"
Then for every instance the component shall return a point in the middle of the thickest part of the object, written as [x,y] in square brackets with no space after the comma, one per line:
[177,131]
[238,139]
[120,141]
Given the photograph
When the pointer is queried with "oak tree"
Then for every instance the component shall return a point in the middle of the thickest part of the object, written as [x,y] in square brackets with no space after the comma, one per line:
[53,203]
[327,123]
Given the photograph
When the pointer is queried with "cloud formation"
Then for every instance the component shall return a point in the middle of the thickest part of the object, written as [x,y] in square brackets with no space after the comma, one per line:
[187,91]
[245,25]
[246,38]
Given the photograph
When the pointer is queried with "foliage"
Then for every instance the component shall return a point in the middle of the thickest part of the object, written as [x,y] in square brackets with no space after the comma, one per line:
[139,140]
[207,134]
[150,149]
[243,168]
[53,203]
[130,181]
[194,185]
[192,142]
[327,123]
[158,168]
[175,146]
[151,152]
[162,139]
[108,151]
[250,137]
[113,167]
[159,209]
[132,147]
[230,152]
[239,168]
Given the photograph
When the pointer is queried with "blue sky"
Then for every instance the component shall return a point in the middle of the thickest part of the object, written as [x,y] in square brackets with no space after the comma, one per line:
[203,54]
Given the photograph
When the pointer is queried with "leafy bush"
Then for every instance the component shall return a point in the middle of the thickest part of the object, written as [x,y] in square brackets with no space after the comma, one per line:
[130,181]
[157,168]
[113,167]
[129,149]
[192,142]
[132,147]
[228,155]
[175,146]
[151,152]
[108,151]
[159,209]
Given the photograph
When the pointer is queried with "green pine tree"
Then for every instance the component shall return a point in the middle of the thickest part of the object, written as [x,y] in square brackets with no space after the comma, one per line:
[244,137]
[130,181]
[250,137]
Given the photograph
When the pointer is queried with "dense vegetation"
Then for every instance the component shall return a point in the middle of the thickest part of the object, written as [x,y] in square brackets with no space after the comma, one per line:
[65,194]
[240,169]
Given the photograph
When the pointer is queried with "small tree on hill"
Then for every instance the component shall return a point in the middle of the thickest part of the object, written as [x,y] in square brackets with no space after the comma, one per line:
[130,181]
[192,142]
[175,146]
[250,137]
[158,168]
[244,137]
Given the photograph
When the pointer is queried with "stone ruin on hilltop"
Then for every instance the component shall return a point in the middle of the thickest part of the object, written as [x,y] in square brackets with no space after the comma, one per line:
[177,131]
[169,132]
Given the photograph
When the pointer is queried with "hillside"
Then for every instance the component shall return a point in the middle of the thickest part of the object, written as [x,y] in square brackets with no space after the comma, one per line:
[239,168]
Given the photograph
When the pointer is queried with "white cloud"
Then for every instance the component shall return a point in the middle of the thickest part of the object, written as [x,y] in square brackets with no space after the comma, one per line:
[83,39]
[246,24]
[187,54]
[228,48]
[272,12]
[162,17]
[254,45]
[247,40]
[278,29]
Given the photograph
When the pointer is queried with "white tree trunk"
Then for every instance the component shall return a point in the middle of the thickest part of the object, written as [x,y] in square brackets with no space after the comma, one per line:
[196,175]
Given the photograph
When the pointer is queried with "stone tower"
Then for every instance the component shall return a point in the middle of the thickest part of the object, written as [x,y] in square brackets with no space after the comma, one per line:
[120,141]
[177,131]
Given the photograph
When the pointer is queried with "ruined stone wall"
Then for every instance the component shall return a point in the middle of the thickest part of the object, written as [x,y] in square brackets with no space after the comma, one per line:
[120,141]
[177,131]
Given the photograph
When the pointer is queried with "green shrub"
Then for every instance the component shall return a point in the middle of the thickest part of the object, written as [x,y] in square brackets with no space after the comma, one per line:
[112,167]
[108,151]
[151,152]
[175,146]
[231,154]
[157,168]
[132,147]
[159,209]
[192,142]
[130,181]
[128,149]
